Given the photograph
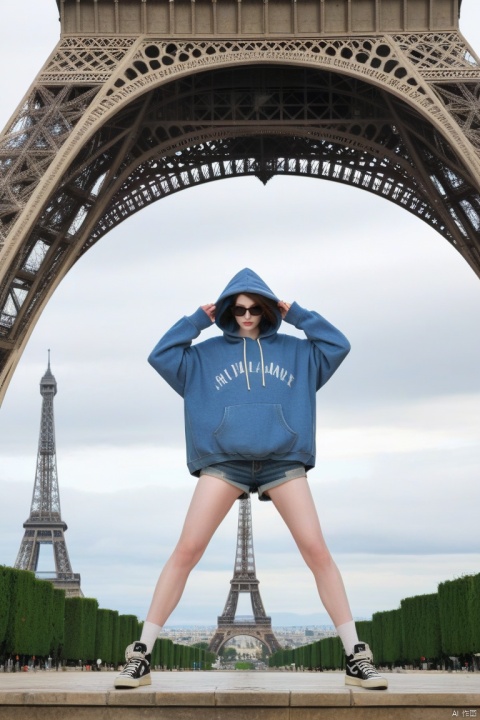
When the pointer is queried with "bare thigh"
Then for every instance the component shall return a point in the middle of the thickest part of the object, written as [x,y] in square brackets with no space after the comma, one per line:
[210,503]
[294,502]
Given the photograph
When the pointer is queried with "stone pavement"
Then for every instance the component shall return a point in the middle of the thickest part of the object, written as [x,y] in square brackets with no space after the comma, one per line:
[240,695]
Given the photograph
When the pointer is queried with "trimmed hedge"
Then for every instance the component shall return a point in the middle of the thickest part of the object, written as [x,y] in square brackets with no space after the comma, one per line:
[457,600]
[387,636]
[36,619]
[6,575]
[80,628]
[104,635]
[426,627]
[421,627]
[57,637]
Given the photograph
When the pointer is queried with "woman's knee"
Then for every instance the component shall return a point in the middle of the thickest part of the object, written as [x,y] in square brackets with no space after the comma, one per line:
[187,554]
[317,556]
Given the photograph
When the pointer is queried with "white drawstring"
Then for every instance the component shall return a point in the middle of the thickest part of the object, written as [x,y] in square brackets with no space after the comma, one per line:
[261,359]
[245,362]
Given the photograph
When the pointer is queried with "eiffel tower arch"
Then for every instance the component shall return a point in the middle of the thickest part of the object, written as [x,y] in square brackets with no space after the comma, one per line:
[144,98]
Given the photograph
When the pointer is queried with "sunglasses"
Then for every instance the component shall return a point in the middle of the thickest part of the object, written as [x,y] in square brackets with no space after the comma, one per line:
[239,310]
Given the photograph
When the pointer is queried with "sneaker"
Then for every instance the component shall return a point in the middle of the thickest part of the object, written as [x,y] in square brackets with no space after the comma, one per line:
[361,671]
[137,668]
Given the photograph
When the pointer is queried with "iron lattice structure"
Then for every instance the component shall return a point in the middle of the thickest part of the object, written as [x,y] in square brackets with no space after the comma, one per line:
[259,625]
[45,525]
[144,98]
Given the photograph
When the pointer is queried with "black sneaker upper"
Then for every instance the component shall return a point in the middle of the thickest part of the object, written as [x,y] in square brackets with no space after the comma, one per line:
[359,664]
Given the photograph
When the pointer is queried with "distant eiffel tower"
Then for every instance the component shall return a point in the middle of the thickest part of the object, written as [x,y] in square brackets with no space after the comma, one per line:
[244,580]
[45,525]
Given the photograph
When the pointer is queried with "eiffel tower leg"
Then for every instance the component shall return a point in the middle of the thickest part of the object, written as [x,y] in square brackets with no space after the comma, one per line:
[60,553]
[89,146]
[231,605]
[27,558]
[217,642]
[257,604]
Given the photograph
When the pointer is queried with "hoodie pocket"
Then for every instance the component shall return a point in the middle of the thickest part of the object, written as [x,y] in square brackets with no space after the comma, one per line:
[255,430]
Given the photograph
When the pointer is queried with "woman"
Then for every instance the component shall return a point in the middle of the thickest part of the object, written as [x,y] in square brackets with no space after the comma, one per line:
[250,427]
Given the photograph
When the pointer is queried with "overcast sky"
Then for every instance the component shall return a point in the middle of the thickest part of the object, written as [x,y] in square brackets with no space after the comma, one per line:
[398,463]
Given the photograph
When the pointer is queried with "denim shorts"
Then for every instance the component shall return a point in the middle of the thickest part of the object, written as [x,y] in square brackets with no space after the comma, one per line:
[256,476]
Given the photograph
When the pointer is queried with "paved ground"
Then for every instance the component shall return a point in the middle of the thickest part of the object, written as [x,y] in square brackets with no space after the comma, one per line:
[237,696]
[261,682]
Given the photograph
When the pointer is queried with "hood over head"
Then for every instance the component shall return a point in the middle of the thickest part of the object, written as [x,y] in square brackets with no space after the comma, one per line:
[245,281]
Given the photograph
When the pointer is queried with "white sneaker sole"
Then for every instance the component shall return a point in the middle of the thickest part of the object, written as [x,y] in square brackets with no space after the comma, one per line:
[121,682]
[372,684]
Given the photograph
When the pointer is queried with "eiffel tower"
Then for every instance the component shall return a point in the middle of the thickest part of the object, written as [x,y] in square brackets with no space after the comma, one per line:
[244,580]
[45,525]
[144,98]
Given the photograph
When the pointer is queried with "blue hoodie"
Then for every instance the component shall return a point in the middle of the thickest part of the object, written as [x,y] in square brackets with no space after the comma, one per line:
[249,399]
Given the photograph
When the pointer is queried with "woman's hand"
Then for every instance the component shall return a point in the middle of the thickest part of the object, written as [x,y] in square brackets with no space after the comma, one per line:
[283,307]
[210,310]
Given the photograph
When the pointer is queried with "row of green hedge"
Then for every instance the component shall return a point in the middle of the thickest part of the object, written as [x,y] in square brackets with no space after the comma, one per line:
[424,627]
[327,653]
[37,619]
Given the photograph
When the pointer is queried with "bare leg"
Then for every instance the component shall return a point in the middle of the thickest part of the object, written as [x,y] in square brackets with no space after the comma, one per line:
[211,501]
[295,504]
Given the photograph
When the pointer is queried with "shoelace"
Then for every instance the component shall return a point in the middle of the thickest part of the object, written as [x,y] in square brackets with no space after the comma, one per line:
[132,666]
[366,667]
